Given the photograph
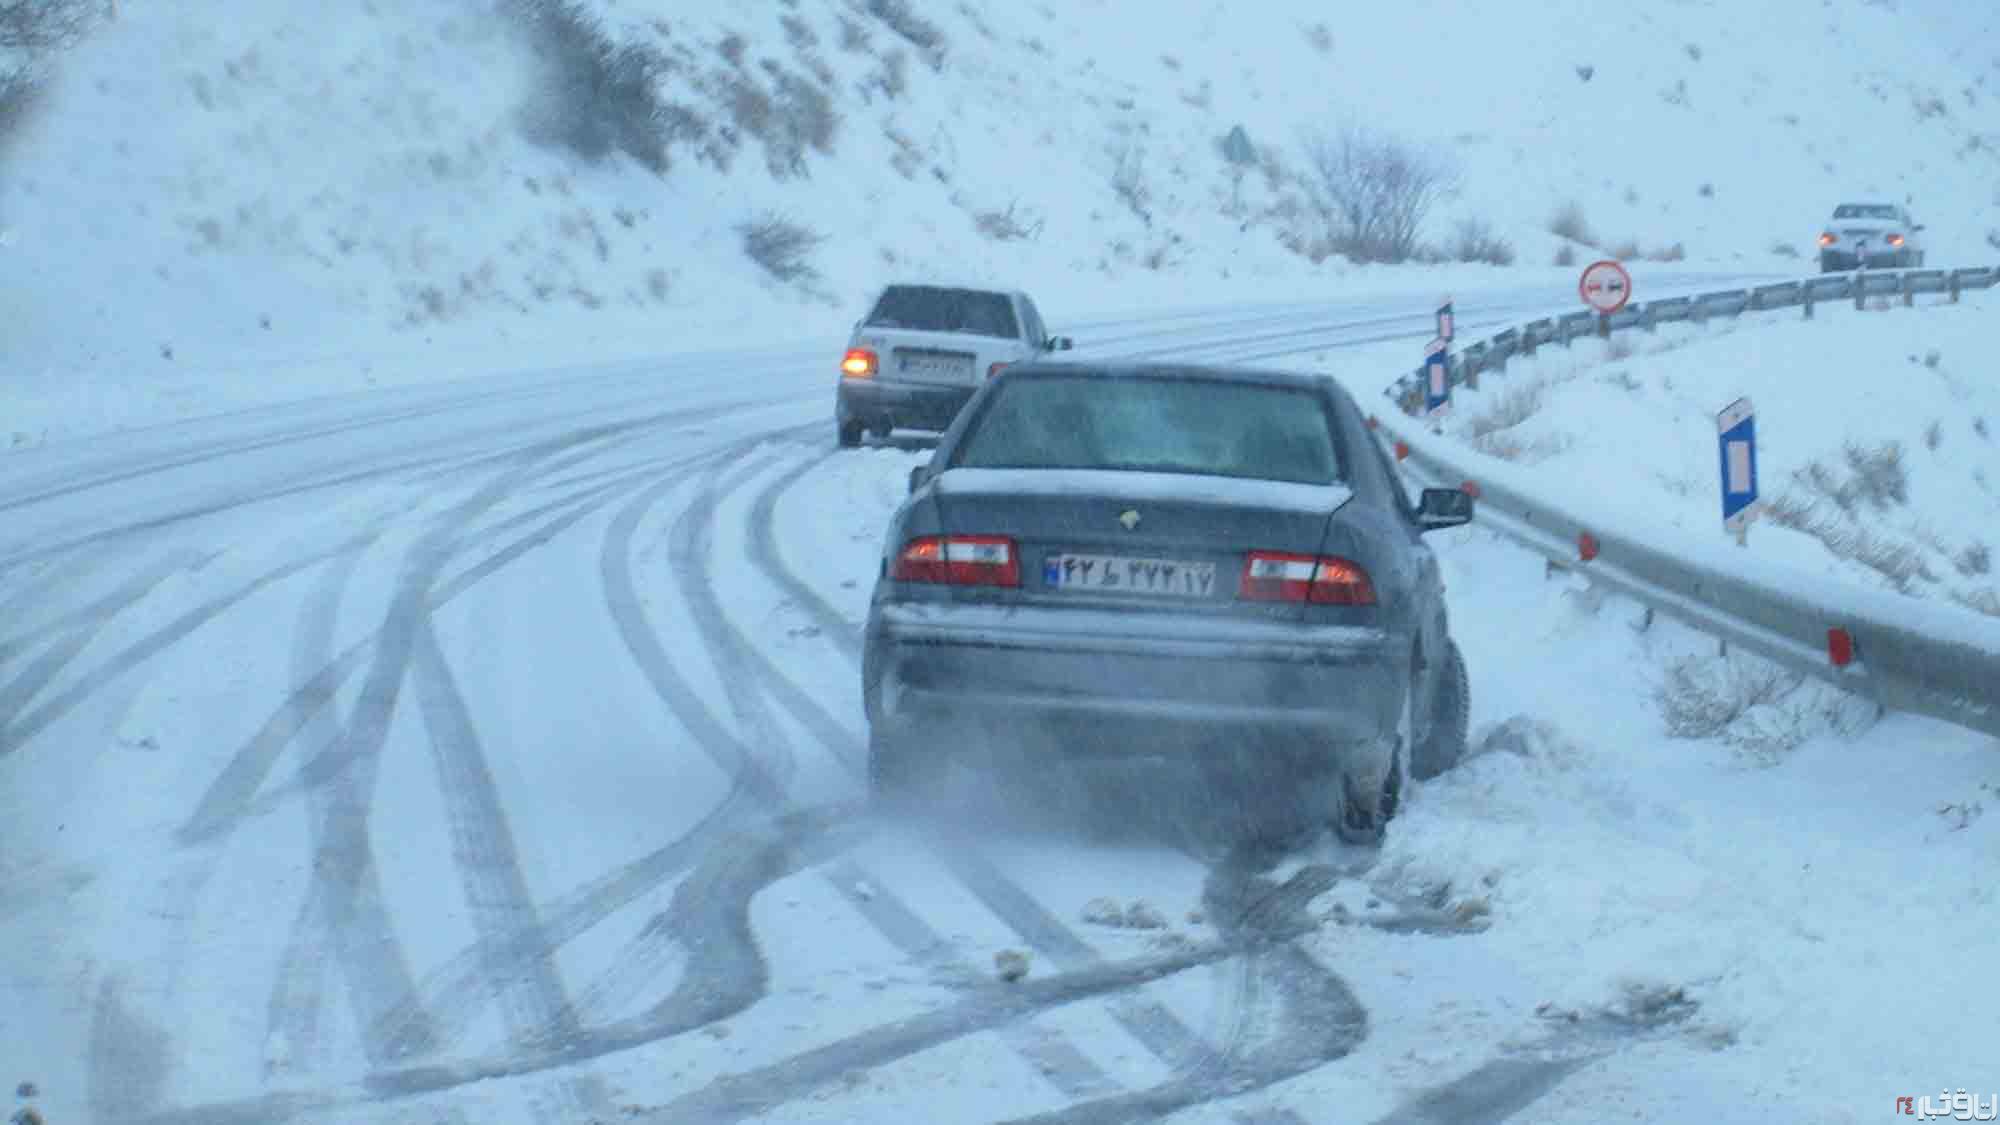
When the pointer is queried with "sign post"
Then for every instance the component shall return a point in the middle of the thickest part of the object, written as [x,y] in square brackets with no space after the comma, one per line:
[1605,286]
[1444,321]
[1437,377]
[1736,438]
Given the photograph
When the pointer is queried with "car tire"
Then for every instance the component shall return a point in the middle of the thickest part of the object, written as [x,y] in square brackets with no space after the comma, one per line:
[881,433]
[850,434]
[1361,818]
[1444,745]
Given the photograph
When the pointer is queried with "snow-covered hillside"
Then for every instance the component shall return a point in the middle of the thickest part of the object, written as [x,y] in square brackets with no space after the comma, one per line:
[222,202]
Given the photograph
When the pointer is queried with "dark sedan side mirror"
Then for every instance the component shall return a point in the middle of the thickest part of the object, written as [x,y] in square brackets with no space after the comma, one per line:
[1444,507]
[1061,343]
[918,475]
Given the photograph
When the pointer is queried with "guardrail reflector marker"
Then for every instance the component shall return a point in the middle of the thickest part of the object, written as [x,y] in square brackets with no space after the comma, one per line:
[1586,546]
[1402,450]
[1470,488]
[1839,647]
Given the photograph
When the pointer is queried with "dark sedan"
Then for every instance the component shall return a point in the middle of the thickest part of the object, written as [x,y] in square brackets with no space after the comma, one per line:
[1165,561]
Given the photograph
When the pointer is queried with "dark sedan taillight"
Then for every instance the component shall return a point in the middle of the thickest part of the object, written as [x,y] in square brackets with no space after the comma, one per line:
[1272,576]
[1828,239]
[1895,240]
[959,560]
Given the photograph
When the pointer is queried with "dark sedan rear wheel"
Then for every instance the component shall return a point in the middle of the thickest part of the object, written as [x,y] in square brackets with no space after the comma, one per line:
[1444,744]
[850,434]
[1366,805]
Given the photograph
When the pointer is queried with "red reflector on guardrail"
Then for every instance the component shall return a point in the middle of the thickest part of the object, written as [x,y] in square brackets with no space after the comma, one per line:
[1402,450]
[1586,546]
[1470,488]
[1839,647]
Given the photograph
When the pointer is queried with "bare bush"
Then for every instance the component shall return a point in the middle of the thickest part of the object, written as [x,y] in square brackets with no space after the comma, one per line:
[1674,253]
[1128,179]
[1510,408]
[596,96]
[1565,255]
[1784,249]
[1007,226]
[894,76]
[1625,251]
[798,116]
[37,27]
[853,35]
[1702,697]
[1933,436]
[1374,191]
[1901,564]
[1879,476]
[782,247]
[1976,561]
[1320,37]
[919,32]
[1568,222]
[798,32]
[1474,241]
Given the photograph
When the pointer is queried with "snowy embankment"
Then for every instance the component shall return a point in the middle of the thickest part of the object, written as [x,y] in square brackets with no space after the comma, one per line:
[1878,436]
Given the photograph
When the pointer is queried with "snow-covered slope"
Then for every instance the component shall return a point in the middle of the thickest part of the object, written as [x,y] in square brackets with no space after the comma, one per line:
[1878,436]
[292,195]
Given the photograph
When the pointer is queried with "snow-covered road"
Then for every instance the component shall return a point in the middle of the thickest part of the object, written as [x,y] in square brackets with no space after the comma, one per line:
[490,752]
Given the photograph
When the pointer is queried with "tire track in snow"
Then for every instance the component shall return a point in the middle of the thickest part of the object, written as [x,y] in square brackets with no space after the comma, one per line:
[344,904]
[79,629]
[28,725]
[520,964]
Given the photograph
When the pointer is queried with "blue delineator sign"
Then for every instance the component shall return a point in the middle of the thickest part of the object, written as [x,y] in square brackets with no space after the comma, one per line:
[1437,376]
[1736,438]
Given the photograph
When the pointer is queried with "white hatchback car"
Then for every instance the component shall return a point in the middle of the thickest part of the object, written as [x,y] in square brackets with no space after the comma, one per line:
[922,350]
[1878,235]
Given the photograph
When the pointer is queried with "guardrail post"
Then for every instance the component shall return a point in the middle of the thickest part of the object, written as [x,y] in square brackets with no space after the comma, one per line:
[1951,284]
[1805,298]
[1753,301]
[1646,317]
[1604,326]
[1909,291]
[1860,284]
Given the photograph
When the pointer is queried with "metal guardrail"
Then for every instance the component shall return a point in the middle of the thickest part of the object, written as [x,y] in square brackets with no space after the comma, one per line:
[1906,654]
[1493,353]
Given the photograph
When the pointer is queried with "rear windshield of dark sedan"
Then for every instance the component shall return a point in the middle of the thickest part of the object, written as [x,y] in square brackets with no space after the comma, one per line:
[1209,427]
[930,309]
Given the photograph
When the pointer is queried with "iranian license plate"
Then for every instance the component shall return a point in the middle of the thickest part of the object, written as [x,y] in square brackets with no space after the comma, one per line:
[937,366]
[1162,577]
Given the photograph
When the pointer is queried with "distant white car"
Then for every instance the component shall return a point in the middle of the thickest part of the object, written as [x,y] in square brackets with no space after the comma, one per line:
[1879,235]
[922,350]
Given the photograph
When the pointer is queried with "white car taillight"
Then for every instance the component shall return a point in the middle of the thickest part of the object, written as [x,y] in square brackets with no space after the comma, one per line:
[959,560]
[1271,576]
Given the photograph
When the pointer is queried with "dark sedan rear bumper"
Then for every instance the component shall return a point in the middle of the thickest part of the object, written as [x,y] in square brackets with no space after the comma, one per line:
[885,404]
[1106,684]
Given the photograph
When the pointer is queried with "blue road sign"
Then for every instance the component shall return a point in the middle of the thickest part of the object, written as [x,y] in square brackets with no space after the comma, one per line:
[1736,437]
[1444,321]
[1437,376]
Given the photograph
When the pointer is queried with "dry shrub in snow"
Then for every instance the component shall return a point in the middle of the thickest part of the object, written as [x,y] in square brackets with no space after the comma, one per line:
[597,96]
[1566,255]
[1474,241]
[1007,225]
[1374,191]
[1848,539]
[782,247]
[1975,561]
[1626,251]
[1751,704]
[900,17]
[1568,222]
[1128,179]
[1510,408]
[36,27]
[1784,249]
